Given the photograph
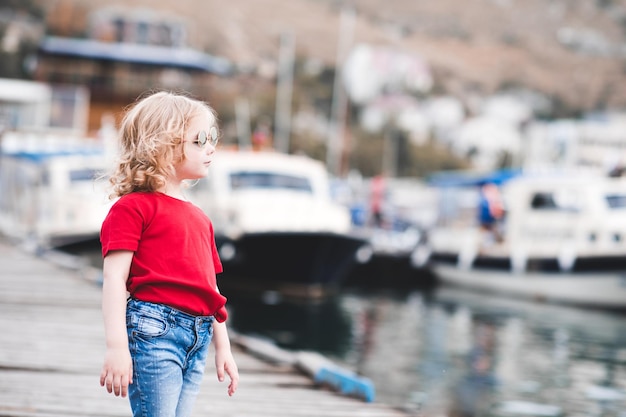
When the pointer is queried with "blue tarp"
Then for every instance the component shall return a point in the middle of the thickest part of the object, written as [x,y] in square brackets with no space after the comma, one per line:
[471,179]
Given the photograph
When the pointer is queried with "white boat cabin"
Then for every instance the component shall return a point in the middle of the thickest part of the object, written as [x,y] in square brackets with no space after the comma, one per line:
[256,192]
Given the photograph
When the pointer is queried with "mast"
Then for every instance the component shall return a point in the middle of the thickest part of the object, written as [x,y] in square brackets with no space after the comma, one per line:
[242,118]
[282,129]
[335,142]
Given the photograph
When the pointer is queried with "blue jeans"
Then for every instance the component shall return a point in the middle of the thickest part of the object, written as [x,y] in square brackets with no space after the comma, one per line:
[169,350]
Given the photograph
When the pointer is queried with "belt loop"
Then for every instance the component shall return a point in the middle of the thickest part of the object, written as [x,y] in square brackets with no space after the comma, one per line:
[172,315]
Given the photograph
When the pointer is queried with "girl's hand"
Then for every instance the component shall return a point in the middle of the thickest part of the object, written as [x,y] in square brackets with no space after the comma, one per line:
[117,371]
[225,363]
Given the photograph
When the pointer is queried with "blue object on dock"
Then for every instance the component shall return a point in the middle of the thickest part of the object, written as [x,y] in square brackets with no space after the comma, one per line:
[346,382]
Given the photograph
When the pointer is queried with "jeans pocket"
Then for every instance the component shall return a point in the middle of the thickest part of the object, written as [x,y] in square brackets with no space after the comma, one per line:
[149,326]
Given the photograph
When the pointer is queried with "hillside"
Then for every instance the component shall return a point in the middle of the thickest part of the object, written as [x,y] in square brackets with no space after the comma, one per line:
[475,45]
[570,50]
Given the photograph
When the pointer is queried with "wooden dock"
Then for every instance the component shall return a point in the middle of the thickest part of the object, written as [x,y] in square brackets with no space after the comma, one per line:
[52,347]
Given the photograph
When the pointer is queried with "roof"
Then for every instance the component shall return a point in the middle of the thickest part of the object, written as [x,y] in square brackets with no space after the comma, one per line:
[468,179]
[186,58]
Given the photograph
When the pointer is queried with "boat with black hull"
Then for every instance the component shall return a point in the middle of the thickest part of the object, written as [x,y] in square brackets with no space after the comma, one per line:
[275,222]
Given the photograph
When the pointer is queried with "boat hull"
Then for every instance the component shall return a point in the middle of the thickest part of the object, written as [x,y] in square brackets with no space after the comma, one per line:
[274,258]
[601,289]
[395,271]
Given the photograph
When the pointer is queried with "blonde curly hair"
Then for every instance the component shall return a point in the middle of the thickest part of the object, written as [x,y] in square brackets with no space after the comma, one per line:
[150,141]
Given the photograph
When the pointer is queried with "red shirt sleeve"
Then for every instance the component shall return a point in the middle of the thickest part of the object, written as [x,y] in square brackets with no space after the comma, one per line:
[121,229]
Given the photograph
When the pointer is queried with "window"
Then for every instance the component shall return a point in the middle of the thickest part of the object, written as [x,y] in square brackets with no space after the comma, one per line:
[143,33]
[616,201]
[543,201]
[265,180]
[562,200]
[68,108]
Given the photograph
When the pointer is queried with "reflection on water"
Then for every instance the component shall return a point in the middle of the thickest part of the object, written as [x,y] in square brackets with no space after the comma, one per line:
[320,326]
[457,353]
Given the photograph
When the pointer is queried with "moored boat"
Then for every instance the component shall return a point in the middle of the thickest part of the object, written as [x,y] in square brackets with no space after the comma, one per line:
[395,262]
[560,238]
[275,221]
[51,195]
[394,218]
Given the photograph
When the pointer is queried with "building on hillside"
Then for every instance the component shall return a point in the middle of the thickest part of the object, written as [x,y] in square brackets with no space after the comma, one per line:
[124,53]
[594,144]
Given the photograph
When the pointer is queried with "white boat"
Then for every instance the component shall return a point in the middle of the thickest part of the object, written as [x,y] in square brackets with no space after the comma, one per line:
[562,239]
[50,195]
[407,207]
[395,261]
[274,219]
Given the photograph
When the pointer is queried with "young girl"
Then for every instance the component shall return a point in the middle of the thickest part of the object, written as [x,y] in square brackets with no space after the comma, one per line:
[160,248]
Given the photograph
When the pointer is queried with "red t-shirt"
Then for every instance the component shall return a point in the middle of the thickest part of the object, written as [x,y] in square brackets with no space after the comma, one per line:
[175,258]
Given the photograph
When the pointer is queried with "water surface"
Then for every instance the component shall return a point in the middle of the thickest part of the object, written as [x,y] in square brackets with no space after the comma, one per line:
[457,353]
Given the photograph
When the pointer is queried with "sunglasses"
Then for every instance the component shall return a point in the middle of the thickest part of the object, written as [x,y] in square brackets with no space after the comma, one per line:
[204,138]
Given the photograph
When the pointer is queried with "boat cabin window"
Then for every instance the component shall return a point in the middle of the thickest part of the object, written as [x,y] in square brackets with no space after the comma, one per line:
[543,201]
[83,175]
[245,180]
[561,201]
[616,201]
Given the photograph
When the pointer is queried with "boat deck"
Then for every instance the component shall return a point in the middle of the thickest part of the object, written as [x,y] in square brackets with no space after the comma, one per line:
[52,347]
